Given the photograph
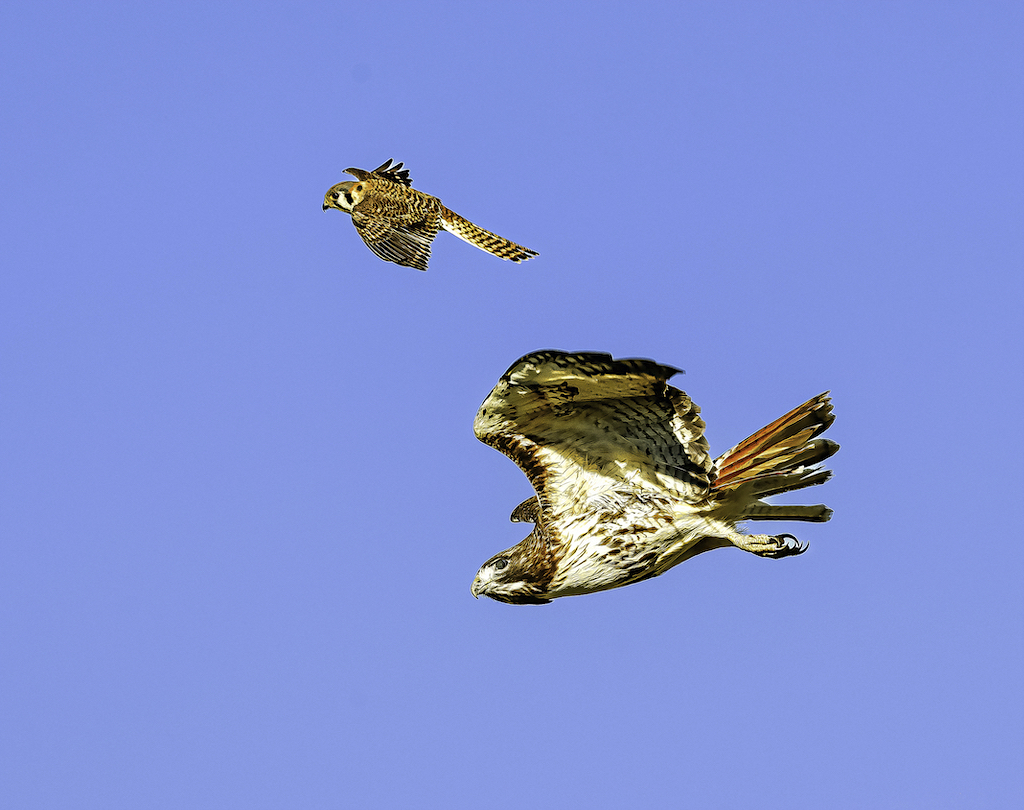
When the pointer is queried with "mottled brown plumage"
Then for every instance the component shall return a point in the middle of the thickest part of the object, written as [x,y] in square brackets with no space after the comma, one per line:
[398,223]
[626,485]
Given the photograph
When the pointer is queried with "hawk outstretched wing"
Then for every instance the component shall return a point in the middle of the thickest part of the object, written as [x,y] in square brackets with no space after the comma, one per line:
[587,429]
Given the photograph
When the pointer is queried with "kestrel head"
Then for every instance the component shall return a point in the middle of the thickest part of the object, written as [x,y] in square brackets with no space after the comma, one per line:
[345,195]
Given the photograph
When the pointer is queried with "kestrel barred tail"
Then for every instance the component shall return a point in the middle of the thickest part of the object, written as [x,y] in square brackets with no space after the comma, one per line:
[398,223]
[625,484]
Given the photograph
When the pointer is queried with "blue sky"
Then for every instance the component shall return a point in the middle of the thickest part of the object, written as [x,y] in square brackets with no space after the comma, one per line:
[241,503]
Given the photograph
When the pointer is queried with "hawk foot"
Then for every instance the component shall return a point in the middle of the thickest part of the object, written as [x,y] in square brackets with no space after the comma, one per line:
[774,546]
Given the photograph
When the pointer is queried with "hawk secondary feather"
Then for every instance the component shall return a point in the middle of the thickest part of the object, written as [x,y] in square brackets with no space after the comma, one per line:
[398,223]
[625,484]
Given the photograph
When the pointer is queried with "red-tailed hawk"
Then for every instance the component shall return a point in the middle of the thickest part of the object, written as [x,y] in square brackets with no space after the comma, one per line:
[626,485]
[398,223]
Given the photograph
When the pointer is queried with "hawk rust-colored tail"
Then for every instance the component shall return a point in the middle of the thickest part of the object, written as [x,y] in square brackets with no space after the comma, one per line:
[781,457]
[485,240]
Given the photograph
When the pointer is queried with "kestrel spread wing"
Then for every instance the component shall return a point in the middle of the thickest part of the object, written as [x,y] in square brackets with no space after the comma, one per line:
[407,245]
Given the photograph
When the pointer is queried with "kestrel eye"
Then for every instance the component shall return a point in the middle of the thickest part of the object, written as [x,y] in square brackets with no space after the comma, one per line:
[359,187]
[501,564]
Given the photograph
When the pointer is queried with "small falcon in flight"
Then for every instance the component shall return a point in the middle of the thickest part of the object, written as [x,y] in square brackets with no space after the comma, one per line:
[625,484]
[398,223]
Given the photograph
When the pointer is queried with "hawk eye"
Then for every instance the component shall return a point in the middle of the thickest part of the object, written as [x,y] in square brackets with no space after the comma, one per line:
[500,564]
[359,187]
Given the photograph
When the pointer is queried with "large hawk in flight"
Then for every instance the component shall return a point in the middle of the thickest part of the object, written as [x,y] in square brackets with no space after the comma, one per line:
[626,485]
[398,223]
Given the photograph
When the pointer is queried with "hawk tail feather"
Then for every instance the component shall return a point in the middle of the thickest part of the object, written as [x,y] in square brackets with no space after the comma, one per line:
[485,240]
[782,457]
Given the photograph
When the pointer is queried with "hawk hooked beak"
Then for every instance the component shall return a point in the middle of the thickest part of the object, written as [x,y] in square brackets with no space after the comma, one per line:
[476,588]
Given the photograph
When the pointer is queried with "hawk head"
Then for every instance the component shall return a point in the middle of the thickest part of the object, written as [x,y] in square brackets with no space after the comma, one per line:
[515,576]
[345,195]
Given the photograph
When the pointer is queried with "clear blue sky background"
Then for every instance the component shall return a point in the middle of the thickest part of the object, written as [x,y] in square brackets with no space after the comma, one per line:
[242,503]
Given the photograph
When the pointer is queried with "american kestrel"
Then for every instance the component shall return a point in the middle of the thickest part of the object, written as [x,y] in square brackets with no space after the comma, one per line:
[398,223]
[626,487]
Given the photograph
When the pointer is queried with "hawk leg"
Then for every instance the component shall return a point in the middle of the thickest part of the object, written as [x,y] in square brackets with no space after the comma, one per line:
[766,545]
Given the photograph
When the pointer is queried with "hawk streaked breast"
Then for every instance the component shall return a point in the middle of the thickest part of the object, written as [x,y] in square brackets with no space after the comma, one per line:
[626,487]
[398,223]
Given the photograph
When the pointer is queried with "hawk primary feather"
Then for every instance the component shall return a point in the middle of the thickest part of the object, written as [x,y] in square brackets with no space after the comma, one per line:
[398,223]
[626,487]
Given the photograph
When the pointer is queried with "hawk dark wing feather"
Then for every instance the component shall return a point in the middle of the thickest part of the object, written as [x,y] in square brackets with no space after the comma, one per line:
[527,512]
